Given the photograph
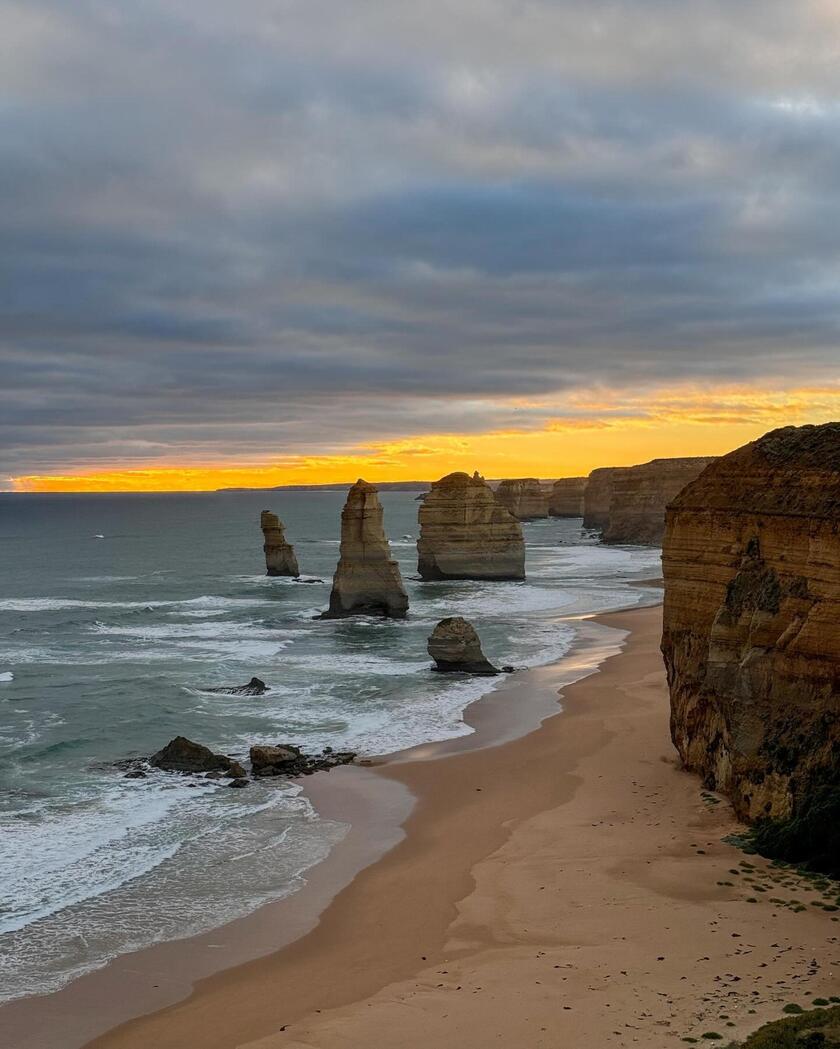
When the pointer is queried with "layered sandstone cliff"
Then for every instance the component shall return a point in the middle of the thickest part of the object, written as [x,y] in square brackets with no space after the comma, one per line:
[466,534]
[597,496]
[751,637]
[566,497]
[367,580]
[279,555]
[524,497]
[640,495]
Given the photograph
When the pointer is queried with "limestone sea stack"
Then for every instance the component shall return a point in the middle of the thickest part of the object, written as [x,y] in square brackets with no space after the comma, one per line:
[566,497]
[279,555]
[524,497]
[466,534]
[367,580]
[751,638]
[597,496]
[640,495]
[455,646]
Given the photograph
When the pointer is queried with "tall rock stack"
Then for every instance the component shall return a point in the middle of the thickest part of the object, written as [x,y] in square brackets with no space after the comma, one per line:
[566,498]
[597,496]
[524,497]
[466,534]
[751,637]
[279,555]
[367,580]
[641,493]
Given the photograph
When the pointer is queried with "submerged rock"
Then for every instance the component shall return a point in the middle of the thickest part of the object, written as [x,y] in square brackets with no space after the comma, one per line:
[466,534]
[255,687]
[280,557]
[367,580]
[524,497]
[284,759]
[183,755]
[455,646]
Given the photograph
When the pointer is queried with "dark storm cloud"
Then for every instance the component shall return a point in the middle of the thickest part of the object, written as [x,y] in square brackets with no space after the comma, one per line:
[287,226]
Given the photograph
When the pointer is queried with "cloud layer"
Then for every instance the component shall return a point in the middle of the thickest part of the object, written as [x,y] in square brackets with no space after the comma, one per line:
[289,226]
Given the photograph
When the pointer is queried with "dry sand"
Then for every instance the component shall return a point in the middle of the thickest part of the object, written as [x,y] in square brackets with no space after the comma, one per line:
[562,889]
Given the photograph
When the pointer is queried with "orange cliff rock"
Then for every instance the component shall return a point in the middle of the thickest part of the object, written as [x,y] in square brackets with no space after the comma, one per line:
[566,497]
[597,496]
[279,555]
[641,493]
[524,497]
[751,639]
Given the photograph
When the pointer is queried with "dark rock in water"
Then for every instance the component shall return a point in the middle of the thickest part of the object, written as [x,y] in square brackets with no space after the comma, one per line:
[299,580]
[214,775]
[135,773]
[287,760]
[455,646]
[236,771]
[183,755]
[255,687]
[508,669]
[238,782]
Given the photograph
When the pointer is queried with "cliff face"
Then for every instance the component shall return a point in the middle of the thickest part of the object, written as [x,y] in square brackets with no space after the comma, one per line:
[751,638]
[367,580]
[640,495]
[279,555]
[597,495]
[524,497]
[466,534]
[566,497]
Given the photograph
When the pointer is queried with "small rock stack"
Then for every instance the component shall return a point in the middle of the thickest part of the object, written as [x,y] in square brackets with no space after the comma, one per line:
[455,646]
[524,497]
[279,555]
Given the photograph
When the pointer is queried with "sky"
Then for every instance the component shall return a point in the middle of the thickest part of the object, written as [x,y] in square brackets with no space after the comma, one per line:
[285,242]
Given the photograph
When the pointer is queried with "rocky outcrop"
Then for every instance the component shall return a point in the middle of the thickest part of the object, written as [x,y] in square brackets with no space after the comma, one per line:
[466,534]
[183,755]
[566,498]
[287,760]
[279,555]
[524,497]
[640,495]
[455,646]
[751,638]
[597,496]
[367,580]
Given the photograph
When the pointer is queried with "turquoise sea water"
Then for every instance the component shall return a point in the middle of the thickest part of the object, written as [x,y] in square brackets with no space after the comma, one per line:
[117,613]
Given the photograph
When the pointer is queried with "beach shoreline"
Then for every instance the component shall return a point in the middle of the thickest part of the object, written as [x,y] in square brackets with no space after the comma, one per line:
[374,809]
[570,881]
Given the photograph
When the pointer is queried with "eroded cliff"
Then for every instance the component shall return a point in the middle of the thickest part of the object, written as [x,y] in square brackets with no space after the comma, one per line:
[597,495]
[751,638]
[466,534]
[280,557]
[524,497]
[566,497]
[641,493]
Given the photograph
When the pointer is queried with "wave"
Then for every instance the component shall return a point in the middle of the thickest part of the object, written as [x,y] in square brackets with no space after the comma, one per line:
[7,675]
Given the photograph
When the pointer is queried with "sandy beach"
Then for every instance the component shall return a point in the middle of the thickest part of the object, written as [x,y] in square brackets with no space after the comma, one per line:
[570,885]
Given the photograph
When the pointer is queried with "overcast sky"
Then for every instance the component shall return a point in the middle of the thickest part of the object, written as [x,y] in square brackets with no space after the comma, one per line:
[272,227]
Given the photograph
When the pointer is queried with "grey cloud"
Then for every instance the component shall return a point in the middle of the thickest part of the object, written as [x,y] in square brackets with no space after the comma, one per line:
[277,227]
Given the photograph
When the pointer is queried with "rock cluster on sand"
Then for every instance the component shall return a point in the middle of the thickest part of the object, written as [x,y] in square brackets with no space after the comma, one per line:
[455,646]
[287,760]
[183,755]
[597,495]
[751,638]
[641,493]
[280,557]
[566,497]
[466,534]
[524,497]
[367,580]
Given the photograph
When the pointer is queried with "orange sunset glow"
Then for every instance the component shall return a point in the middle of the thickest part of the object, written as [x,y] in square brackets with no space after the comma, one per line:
[596,428]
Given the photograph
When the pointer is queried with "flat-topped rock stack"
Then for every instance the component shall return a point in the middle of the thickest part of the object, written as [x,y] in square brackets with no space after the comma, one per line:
[641,493]
[566,497]
[280,557]
[524,497]
[466,534]
[367,580]
[751,638]
[597,496]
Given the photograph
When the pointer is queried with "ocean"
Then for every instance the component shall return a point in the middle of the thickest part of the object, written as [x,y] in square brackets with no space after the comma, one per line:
[119,612]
